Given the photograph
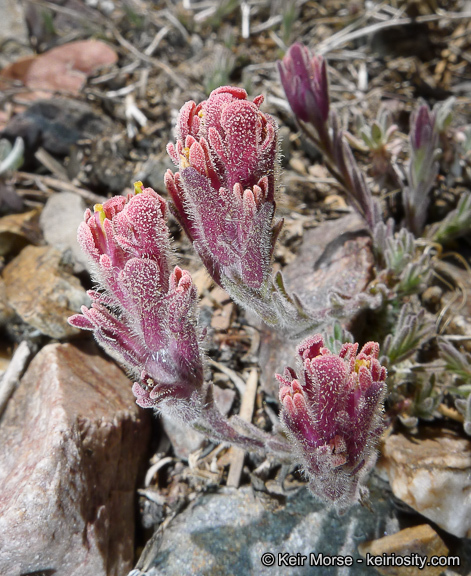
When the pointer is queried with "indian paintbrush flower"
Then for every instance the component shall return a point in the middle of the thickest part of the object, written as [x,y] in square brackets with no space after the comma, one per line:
[145,314]
[224,192]
[224,198]
[332,412]
[145,317]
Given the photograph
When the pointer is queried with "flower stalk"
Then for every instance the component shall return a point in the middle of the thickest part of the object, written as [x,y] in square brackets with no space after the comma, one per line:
[305,82]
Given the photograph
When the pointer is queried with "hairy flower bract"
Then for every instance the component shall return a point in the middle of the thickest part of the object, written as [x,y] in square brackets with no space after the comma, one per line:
[224,192]
[143,314]
[332,413]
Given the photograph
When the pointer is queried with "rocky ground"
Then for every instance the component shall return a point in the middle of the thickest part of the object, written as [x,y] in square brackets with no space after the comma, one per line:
[89,482]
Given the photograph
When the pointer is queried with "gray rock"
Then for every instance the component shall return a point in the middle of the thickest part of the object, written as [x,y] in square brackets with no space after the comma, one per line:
[55,125]
[227,533]
[13,27]
[59,221]
[183,438]
[72,442]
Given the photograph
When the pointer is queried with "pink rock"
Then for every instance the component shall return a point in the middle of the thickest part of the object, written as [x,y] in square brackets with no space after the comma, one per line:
[72,442]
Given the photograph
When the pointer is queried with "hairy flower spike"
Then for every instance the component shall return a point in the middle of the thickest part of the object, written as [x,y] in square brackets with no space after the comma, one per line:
[304,79]
[423,167]
[224,192]
[145,315]
[332,413]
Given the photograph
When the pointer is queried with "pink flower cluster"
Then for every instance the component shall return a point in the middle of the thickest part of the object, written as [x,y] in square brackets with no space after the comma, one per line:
[145,315]
[224,191]
[332,412]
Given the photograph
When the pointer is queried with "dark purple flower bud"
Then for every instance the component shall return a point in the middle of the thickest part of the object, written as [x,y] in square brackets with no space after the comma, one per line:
[422,126]
[332,412]
[304,79]
[423,167]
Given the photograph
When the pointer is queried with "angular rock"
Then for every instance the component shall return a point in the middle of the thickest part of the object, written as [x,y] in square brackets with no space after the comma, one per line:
[224,310]
[183,438]
[227,533]
[72,442]
[19,230]
[421,540]
[432,474]
[336,256]
[41,292]
[59,221]
[224,398]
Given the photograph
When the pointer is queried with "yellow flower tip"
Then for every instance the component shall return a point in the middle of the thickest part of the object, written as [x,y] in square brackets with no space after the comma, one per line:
[185,158]
[138,187]
[101,213]
[200,114]
[360,363]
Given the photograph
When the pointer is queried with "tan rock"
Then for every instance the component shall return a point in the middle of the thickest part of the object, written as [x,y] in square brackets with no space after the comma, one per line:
[223,306]
[432,473]
[419,540]
[72,442]
[216,297]
[298,166]
[202,280]
[335,201]
[6,312]
[41,292]
[19,230]
[219,295]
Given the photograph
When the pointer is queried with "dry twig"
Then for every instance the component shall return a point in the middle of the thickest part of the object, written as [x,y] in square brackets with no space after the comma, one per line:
[246,411]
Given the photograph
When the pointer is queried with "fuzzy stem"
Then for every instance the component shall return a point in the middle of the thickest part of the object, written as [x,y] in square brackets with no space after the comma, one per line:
[218,428]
